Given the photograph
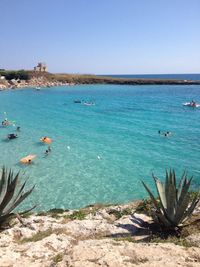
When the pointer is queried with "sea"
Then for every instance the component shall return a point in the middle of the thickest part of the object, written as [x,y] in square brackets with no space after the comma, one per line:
[101,152]
[192,77]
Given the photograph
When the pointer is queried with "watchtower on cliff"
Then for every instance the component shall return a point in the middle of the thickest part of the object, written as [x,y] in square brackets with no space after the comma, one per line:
[41,67]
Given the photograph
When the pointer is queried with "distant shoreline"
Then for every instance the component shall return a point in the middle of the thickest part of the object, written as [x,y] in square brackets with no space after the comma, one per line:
[51,80]
[187,76]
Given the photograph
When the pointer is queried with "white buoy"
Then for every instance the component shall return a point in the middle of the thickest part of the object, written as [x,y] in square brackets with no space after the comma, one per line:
[68,147]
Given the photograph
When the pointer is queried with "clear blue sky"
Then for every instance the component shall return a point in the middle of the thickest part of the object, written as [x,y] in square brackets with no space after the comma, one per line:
[101,36]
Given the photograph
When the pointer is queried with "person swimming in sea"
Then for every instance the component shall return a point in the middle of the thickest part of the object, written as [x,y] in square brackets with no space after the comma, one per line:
[12,136]
[5,122]
[47,151]
[166,134]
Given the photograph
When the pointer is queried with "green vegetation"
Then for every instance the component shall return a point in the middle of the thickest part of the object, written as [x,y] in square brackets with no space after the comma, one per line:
[10,195]
[37,237]
[145,206]
[55,213]
[42,234]
[18,74]
[119,213]
[171,239]
[77,215]
[174,204]
[58,257]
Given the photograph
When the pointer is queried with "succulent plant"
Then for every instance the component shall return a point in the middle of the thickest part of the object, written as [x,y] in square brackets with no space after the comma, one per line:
[10,195]
[174,204]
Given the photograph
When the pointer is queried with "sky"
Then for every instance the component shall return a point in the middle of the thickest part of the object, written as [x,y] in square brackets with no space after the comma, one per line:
[101,36]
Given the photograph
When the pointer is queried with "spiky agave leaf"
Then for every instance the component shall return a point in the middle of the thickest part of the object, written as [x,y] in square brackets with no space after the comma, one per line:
[191,208]
[183,200]
[10,197]
[174,207]
[171,195]
[162,214]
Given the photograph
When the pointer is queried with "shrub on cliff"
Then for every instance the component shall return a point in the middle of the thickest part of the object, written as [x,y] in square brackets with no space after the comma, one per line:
[174,204]
[19,74]
[11,194]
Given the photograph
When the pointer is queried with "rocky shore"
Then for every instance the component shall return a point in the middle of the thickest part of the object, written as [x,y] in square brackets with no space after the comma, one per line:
[95,236]
[34,82]
[49,80]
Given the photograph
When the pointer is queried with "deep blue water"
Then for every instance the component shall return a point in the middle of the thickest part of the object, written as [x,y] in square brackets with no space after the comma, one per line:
[100,153]
[193,77]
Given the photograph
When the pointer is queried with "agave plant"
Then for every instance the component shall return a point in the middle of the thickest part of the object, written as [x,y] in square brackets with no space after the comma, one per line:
[174,204]
[10,195]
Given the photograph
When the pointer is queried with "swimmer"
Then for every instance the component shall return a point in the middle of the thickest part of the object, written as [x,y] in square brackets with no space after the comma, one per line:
[46,140]
[5,122]
[12,136]
[159,132]
[18,128]
[47,151]
[28,159]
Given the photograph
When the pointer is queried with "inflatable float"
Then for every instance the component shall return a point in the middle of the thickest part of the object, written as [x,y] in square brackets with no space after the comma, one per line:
[28,159]
[46,140]
[188,104]
[89,104]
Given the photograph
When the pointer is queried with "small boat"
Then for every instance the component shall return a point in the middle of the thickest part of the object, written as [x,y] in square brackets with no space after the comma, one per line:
[37,88]
[77,101]
[192,105]
[89,103]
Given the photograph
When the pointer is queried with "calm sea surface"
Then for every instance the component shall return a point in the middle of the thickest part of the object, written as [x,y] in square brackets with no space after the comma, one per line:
[193,77]
[100,153]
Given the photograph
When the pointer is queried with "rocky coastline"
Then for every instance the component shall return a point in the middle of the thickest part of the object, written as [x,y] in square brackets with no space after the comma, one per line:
[50,80]
[95,236]
[34,82]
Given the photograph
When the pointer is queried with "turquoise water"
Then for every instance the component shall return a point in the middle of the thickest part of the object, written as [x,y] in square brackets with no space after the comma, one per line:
[100,153]
[190,76]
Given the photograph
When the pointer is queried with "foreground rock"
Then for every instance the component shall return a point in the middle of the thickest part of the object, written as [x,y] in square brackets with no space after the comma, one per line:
[96,236]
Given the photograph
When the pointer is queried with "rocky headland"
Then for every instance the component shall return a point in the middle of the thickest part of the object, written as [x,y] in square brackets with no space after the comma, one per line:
[48,80]
[107,236]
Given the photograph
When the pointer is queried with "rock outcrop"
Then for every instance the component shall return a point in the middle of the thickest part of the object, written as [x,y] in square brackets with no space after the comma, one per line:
[92,237]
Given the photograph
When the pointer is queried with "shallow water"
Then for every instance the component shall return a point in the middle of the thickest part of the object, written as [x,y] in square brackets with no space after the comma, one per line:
[100,153]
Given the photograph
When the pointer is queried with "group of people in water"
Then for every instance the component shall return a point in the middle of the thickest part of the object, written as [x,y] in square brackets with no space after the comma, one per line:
[28,159]
[86,103]
[5,122]
[166,134]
